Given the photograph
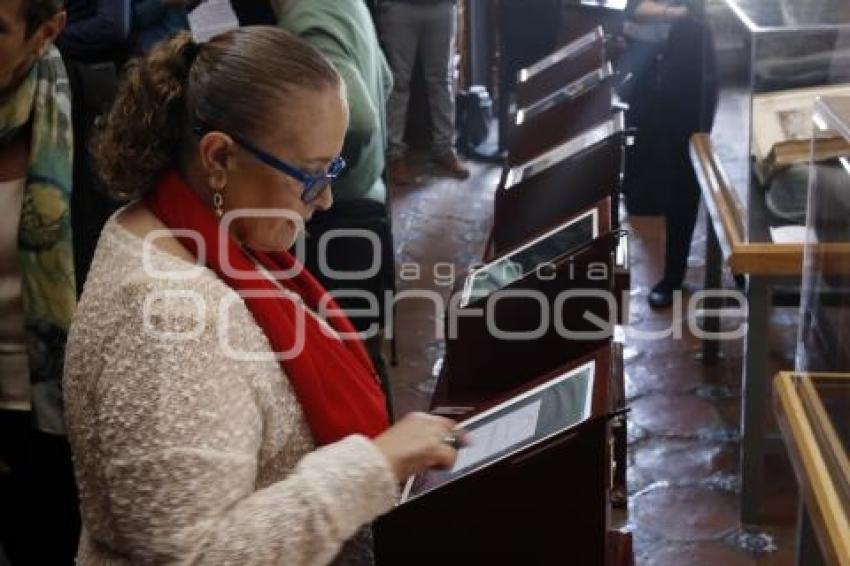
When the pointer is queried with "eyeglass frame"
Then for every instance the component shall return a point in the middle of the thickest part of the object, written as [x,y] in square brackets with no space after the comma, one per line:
[314,185]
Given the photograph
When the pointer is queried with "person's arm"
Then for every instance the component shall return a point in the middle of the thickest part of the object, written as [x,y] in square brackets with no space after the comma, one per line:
[107,28]
[181,427]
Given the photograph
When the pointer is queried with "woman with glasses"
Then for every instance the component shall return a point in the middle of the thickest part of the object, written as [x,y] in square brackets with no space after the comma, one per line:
[220,408]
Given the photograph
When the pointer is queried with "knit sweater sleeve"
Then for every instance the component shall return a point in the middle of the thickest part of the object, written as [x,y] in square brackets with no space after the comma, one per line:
[180,429]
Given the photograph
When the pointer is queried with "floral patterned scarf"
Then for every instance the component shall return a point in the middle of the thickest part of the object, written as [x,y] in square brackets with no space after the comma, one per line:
[45,254]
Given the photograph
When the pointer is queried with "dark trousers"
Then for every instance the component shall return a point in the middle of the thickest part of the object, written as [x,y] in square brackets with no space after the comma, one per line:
[681,211]
[689,95]
[647,173]
[39,517]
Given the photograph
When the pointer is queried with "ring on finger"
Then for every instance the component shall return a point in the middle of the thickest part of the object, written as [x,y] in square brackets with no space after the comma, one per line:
[453,439]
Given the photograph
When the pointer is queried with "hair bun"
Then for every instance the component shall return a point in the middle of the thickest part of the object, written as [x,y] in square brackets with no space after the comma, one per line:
[148,129]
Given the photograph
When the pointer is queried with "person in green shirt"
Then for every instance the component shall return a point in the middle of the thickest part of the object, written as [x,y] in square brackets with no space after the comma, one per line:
[344,32]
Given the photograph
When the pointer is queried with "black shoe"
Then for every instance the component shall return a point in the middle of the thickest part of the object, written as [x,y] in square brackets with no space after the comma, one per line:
[661,296]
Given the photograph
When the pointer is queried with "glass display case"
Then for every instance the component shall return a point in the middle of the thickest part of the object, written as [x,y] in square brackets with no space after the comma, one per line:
[824,332]
[812,411]
[772,59]
[813,403]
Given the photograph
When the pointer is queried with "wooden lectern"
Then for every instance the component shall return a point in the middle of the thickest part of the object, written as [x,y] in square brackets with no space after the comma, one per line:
[563,307]
[542,193]
[562,115]
[561,67]
[533,490]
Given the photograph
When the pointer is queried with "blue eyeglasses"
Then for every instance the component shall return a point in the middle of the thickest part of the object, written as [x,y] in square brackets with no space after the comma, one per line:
[313,184]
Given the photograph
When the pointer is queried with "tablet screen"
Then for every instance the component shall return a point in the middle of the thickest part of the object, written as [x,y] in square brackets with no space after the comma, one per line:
[516,265]
[557,405]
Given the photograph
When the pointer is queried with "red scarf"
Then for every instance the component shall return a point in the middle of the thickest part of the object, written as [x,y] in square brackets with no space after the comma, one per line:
[334,380]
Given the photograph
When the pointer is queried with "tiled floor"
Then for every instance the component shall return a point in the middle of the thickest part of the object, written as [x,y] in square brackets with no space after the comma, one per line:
[683,427]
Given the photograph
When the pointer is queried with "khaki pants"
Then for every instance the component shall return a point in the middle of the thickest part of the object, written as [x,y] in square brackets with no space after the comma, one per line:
[428,30]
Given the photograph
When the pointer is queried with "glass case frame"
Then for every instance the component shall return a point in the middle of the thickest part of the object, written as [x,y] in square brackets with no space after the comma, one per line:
[764,47]
[809,408]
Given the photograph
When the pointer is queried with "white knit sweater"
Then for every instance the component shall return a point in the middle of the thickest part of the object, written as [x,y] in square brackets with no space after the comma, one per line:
[186,455]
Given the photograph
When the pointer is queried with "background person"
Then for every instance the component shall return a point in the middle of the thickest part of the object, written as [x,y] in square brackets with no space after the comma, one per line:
[235,457]
[688,96]
[97,30]
[672,96]
[427,29]
[94,47]
[37,290]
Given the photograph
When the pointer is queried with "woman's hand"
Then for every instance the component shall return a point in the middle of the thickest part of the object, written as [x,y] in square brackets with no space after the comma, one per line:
[416,443]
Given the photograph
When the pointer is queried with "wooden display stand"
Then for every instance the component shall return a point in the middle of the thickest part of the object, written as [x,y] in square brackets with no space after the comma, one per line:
[480,364]
[622,278]
[565,166]
[535,196]
[563,115]
[567,64]
[503,513]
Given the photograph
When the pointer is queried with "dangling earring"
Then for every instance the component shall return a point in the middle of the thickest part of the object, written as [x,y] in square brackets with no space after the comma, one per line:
[218,203]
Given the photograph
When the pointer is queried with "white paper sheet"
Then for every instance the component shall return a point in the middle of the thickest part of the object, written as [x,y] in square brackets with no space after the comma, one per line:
[499,435]
[211,18]
[791,235]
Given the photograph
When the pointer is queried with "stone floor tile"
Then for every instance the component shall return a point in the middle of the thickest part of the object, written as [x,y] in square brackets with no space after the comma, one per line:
[675,415]
[668,374]
[685,513]
[683,461]
[718,553]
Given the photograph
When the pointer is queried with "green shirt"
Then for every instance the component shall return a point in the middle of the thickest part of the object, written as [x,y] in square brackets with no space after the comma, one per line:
[344,32]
